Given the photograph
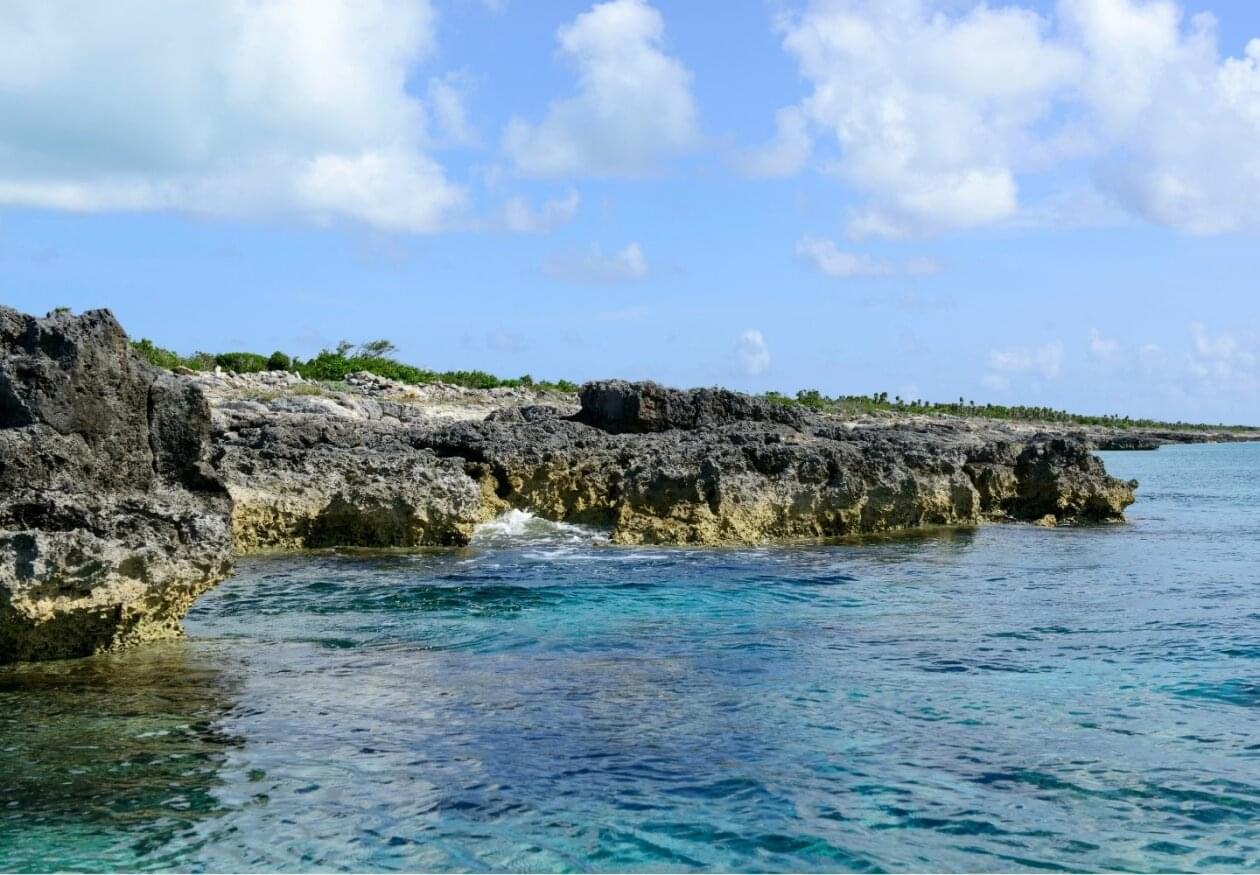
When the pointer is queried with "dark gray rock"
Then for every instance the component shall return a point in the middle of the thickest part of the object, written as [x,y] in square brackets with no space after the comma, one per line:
[111,519]
[750,481]
[334,477]
[619,407]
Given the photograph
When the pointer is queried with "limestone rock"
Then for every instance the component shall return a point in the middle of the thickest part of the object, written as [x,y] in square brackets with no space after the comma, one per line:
[312,479]
[111,519]
[722,475]
[1059,477]
[619,407]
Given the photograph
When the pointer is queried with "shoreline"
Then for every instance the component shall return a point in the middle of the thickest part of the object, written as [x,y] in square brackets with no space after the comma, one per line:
[132,488]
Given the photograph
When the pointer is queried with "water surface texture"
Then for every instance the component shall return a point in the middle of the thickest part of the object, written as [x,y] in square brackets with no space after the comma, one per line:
[1002,699]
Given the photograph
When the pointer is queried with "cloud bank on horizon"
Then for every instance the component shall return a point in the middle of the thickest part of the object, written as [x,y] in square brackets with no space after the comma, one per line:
[916,121]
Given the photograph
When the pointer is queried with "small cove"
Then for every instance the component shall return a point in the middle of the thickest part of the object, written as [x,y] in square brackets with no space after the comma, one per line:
[1003,698]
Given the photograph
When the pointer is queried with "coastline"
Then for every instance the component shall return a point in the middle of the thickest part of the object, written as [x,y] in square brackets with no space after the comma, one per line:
[179,471]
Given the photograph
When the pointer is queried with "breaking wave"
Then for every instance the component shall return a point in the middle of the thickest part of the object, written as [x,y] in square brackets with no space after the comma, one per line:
[522,528]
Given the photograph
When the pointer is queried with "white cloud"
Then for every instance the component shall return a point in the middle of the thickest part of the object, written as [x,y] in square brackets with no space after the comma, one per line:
[938,115]
[932,113]
[787,153]
[1152,357]
[1179,122]
[502,340]
[633,107]
[1044,361]
[593,267]
[446,98]
[832,261]
[1218,357]
[279,106]
[923,266]
[519,216]
[752,353]
[1101,347]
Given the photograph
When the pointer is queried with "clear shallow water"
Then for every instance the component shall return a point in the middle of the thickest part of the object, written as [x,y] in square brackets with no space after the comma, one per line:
[1004,699]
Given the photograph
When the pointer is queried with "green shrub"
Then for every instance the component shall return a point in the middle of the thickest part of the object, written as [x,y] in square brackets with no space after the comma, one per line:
[241,362]
[156,355]
[278,361]
[812,399]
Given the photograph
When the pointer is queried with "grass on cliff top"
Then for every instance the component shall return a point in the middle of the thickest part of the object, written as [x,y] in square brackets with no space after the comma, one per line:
[375,357]
[880,403]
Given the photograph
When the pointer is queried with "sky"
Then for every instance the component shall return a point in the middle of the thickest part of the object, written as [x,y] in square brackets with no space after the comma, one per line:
[1050,203]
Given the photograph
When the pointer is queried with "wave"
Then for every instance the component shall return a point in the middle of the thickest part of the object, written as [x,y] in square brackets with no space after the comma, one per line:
[522,528]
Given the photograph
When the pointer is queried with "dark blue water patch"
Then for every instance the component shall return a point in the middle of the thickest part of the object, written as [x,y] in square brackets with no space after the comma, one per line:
[1234,691]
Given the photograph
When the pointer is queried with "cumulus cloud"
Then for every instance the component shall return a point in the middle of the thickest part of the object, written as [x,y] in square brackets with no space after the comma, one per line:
[1181,123]
[932,113]
[519,216]
[633,107]
[832,261]
[502,340]
[593,267]
[1045,361]
[752,353]
[1151,357]
[787,153]
[1102,347]
[280,106]
[1218,357]
[447,98]
[923,266]
[937,115]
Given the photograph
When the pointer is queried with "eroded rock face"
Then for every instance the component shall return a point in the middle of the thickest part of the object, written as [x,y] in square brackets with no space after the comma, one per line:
[652,465]
[112,521]
[310,480]
[752,482]
[1060,478]
[619,407]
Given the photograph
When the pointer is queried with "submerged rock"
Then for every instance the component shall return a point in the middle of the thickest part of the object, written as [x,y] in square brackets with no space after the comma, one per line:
[111,519]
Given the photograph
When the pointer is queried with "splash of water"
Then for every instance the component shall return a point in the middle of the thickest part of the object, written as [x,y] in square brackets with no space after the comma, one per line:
[523,528]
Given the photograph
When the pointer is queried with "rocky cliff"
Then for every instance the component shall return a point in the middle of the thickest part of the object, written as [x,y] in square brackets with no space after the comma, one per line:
[649,464]
[111,519]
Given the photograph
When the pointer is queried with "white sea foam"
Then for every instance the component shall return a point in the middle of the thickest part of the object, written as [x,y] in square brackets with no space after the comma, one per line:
[520,527]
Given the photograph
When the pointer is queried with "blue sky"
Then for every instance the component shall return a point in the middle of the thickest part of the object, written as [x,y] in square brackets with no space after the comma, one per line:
[1054,203]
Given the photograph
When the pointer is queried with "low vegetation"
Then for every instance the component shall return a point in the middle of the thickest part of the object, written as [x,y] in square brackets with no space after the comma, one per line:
[378,357]
[332,365]
[879,403]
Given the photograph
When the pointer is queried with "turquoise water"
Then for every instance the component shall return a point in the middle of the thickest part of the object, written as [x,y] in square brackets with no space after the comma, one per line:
[1003,699]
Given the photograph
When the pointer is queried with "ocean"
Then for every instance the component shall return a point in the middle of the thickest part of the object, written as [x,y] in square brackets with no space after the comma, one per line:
[1006,698]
